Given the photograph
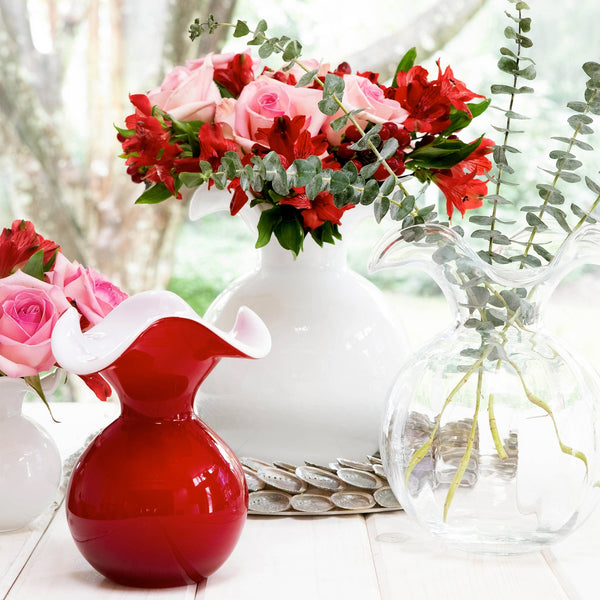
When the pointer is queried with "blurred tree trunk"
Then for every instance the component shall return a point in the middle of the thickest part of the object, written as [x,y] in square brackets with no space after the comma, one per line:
[70,181]
[429,32]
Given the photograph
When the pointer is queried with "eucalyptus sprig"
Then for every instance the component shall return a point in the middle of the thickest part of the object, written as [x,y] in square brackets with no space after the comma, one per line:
[511,62]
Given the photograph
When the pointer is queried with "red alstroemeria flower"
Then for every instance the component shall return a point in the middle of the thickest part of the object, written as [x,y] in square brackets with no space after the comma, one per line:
[150,154]
[323,209]
[427,107]
[239,197]
[462,190]
[299,201]
[213,145]
[477,162]
[454,89]
[19,243]
[236,75]
[428,102]
[289,138]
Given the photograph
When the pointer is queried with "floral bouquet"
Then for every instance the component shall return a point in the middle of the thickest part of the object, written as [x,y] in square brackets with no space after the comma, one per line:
[305,142]
[37,284]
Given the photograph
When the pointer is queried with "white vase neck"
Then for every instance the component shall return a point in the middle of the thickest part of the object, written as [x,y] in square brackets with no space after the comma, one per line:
[12,394]
[313,256]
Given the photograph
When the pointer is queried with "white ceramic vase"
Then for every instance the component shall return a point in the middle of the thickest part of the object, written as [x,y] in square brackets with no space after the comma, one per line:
[30,463]
[320,393]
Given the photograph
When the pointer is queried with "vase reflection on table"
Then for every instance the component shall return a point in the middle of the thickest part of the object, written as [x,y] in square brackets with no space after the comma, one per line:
[157,499]
[491,437]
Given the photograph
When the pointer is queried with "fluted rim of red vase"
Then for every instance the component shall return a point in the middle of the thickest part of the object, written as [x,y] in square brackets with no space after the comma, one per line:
[85,353]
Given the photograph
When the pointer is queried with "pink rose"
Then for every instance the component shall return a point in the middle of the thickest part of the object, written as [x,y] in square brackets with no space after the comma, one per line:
[29,309]
[265,99]
[94,295]
[359,92]
[188,94]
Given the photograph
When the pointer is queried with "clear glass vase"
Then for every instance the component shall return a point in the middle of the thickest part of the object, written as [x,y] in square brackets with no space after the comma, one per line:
[491,435]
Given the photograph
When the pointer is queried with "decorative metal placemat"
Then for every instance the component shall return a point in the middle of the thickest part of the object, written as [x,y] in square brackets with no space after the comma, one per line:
[344,487]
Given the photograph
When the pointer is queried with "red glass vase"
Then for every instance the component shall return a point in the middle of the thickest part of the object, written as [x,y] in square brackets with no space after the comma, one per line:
[157,499]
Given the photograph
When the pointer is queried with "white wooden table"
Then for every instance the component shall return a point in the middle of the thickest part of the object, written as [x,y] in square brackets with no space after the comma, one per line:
[380,557]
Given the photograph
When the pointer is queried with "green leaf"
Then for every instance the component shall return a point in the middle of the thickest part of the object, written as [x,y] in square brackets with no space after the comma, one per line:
[126,133]
[267,222]
[340,180]
[340,122]
[535,221]
[550,193]
[564,175]
[558,154]
[577,106]
[582,214]
[490,257]
[333,84]
[541,251]
[290,235]
[592,185]
[370,192]
[266,48]
[508,89]
[367,171]
[370,137]
[292,50]
[568,164]
[381,207]
[328,106]
[575,142]
[442,154]
[154,194]
[531,261]
[406,64]
[241,29]
[560,216]
[307,78]
[315,186]
[495,236]
[389,148]
[305,171]
[35,265]
[478,108]
[192,180]
[388,186]
[592,70]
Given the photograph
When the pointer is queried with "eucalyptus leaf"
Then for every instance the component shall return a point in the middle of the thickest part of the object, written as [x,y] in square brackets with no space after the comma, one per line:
[370,192]
[575,142]
[541,251]
[535,221]
[592,185]
[381,207]
[307,78]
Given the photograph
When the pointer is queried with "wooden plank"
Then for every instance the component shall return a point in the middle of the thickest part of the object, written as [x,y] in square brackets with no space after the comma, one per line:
[575,561]
[410,564]
[17,546]
[57,571]
[298,558]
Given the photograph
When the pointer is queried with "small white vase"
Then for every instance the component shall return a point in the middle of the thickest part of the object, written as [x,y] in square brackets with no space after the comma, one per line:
[320,393]
[30,464]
